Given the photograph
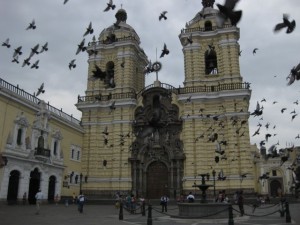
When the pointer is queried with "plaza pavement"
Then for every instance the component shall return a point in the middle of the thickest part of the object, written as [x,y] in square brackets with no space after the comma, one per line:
[52,214]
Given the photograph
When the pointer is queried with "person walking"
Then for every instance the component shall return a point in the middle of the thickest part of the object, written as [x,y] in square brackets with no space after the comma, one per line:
[56,199]
[164,203]
[38,197]
[24,198]
[81,199]
[74,198]
[241,202]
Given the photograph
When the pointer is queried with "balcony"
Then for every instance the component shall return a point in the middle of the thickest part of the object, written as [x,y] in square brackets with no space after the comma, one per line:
[42,153]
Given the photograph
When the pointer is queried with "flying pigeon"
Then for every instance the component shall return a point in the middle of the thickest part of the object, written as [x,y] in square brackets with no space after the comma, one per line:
[31,25]
[162,15]
[110,5]
[72,64]
[221,175]
[226,12]
[40,90]
[219,149]
[44,47]
[190,39]
[15,59]
[34,50]
[188,99]
[286,23]
[123,64]
[81,47]
[148,68]
[98,73]
[258,110]
[254,51]
[165,51]
[112,107]
[294,74]
[17,51]
[89,30]
[105,131]
[6,43]
[26,62]
[65,1]
[35,65]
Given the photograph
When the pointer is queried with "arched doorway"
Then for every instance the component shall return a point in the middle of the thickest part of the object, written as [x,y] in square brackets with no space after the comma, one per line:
[51,188]
[157,180]
[13,187]
[275,186]
[34,185]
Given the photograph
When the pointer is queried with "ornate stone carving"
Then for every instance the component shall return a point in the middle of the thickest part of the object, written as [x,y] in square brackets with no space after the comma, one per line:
[21,120]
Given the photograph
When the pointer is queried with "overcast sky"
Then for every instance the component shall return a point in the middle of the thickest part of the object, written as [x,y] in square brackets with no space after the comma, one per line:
[63,26]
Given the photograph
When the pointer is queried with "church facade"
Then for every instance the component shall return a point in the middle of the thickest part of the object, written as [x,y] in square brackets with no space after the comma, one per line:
[147,141]
[157,140]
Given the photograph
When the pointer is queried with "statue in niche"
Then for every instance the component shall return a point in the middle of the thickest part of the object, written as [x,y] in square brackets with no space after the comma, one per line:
[41,141]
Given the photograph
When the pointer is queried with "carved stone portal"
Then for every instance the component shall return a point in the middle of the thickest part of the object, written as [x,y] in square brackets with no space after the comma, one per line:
[157,128]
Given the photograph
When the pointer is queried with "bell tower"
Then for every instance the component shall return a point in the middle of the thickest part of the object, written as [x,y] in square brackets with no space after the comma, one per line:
[213,56]
[116,60]
[115,76]
[214,104]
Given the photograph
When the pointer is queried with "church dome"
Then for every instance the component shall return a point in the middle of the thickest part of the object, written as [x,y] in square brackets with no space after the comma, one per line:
[121,15]
[120,29]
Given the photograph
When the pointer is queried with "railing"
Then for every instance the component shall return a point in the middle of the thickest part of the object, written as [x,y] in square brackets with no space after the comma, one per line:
[129,38]
[183,90]
[93,98]
[42,152]
[36,101]
[202,29]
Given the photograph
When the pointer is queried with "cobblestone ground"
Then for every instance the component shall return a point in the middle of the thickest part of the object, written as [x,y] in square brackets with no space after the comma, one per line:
[108,214]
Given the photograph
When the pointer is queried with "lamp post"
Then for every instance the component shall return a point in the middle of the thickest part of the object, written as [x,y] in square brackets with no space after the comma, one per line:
[214,177]
[80,182]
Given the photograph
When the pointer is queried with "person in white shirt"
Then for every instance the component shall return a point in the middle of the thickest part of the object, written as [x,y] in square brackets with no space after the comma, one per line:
[38,197]
[190,197]
[164,203]
[81,200]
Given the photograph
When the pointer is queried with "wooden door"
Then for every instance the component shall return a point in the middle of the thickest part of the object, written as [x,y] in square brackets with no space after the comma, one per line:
[157,180]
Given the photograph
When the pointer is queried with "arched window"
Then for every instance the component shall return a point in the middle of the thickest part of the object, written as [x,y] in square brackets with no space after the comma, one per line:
[208,26]
[78,155]
[72,154]
[211,63]
[19,136]
[110,75]
[55,148]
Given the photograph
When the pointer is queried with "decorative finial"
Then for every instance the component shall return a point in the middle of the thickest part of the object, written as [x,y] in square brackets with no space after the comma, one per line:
[208,3]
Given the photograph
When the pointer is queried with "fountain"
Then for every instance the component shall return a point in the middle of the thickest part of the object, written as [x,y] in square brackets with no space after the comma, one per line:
[203,187]
[203,208]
